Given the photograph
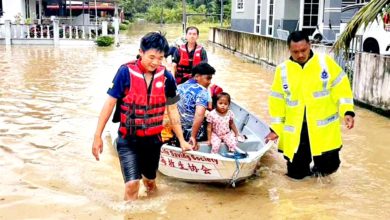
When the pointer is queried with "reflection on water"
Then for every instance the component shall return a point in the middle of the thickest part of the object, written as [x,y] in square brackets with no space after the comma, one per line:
[50,99]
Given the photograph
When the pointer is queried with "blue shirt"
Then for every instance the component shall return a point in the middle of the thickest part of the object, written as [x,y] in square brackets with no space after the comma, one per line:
[121,83]
[191,95]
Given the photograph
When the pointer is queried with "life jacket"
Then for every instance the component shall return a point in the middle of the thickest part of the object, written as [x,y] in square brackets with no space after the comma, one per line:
[186,63]
[142,111]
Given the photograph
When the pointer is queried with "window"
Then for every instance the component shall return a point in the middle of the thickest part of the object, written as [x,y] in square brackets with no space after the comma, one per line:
[240,6]
[310,16]
[270,23]
[27,9]
[1,7]
[258,17]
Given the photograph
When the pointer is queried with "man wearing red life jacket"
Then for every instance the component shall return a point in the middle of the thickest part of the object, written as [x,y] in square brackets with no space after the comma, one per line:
[141,91]
[188,56]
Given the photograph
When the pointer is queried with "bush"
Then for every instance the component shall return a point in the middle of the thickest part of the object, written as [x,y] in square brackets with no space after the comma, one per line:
[126,22]
[104,41]
[123,27]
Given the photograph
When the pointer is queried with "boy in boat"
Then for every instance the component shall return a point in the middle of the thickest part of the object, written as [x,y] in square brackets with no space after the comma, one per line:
[194,102]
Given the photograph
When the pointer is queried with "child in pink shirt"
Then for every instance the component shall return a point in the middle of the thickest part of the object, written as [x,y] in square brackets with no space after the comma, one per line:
[221,125]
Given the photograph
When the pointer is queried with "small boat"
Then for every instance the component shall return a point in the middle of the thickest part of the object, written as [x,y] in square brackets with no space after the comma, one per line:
[224,167]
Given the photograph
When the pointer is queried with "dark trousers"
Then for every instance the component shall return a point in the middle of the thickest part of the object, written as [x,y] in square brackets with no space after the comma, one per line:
[324,164]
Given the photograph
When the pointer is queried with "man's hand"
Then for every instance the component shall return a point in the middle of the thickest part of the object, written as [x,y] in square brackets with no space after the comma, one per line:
[97,147]
[272,136]
[195,144]
[185,146]
[349,121]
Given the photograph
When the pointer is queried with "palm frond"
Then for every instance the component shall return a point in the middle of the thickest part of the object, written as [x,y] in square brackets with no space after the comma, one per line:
[363,17]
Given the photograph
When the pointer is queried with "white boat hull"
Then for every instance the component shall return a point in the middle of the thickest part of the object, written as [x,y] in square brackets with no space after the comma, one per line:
[203,166]
[197,166]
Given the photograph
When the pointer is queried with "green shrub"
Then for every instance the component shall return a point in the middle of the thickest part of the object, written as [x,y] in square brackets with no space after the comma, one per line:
[104,41]
[126,22]
[123,27]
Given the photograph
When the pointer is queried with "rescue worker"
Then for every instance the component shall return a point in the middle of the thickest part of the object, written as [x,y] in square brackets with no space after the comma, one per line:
[188,56]
[141,91]
[309,94]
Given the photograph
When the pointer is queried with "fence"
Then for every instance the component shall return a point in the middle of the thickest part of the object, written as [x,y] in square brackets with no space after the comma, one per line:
[53,33]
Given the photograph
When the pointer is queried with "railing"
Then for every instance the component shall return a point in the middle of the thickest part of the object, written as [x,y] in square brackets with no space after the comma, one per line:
[53,31]
[86,32]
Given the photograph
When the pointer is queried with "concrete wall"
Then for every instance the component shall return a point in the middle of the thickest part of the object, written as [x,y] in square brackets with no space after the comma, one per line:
[266,49]
[371,80]
[246,25]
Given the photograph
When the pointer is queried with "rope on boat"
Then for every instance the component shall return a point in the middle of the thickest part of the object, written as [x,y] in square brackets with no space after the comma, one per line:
[238,154]
[236,172]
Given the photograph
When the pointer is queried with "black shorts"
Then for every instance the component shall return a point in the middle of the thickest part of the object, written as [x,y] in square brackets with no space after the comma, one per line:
[139,156]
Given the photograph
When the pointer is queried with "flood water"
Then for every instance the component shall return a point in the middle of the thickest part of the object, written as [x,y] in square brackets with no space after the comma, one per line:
[50,99]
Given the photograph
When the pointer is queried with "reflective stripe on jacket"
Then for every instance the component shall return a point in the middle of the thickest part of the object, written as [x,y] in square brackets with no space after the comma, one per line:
[142,112]
[322,88]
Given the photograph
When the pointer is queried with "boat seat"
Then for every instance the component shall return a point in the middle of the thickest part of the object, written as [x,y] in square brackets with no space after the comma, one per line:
[250,144]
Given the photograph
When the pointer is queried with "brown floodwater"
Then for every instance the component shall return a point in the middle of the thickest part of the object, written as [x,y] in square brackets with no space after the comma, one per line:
[50,98]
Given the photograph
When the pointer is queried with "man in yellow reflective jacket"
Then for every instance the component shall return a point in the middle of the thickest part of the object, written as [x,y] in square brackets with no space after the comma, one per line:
[309,95]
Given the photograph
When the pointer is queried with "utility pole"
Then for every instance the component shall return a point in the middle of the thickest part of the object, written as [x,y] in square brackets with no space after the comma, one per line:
[221,13]
[162,14]
[184,16]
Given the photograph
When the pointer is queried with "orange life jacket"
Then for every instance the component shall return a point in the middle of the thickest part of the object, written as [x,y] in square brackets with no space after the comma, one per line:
[186,63]
[142,111]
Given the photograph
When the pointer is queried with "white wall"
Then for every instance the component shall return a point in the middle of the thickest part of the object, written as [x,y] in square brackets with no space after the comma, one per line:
[248,12]
[291,10]
[12,8]
[279,9]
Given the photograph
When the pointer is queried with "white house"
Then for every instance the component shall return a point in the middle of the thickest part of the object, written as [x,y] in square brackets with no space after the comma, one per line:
[263,17]
[39,9]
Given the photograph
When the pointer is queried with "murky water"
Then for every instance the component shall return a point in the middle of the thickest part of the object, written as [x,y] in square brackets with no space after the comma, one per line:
[50,99]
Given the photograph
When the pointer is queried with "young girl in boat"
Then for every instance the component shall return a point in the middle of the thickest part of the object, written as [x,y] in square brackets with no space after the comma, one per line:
[221,125]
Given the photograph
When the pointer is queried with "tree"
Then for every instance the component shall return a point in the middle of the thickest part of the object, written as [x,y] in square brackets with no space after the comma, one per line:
[172,9]
[363,17]
[133,7]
